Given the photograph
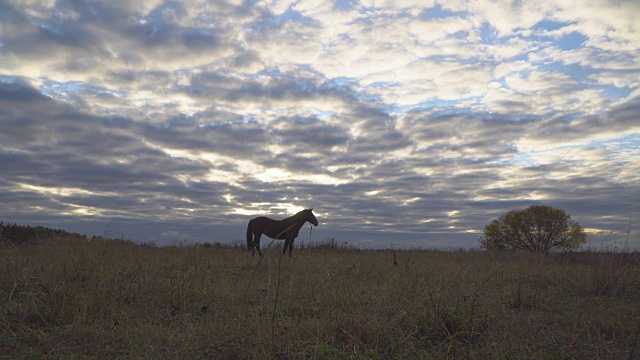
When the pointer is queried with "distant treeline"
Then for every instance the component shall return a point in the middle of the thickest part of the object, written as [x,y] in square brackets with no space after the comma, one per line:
[17,234]
[22,233]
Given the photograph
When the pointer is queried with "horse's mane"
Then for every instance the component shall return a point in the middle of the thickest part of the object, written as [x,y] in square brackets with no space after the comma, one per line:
[301,212]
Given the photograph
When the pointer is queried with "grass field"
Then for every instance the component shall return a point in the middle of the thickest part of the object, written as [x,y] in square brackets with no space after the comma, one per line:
[107,299]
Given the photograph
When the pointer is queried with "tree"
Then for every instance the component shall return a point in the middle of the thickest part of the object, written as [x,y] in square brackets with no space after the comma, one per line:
[538,228]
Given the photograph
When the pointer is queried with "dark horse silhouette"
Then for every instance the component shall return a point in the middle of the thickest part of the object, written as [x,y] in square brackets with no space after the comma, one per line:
[286,230]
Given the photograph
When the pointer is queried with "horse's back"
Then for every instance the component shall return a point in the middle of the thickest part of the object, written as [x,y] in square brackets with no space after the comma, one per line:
[260,220]
[259,224]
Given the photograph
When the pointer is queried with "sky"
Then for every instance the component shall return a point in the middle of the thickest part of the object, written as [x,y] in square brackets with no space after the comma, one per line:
[405,124]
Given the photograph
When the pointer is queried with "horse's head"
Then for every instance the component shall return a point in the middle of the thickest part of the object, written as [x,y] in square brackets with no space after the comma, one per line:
[310,217]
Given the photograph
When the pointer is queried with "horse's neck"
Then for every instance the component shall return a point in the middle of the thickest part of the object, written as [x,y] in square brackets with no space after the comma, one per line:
[296,220]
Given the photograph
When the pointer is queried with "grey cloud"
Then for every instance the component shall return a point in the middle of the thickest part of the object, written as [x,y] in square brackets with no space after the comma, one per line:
[138,94]
[78,150]
[111,33]
[66,33]
[27,35]
[245,60]
[150,79]
[478,137]
[228,138]
[16,90]
[619,119]
[626,113]
[8,13]
[279,85]
[311,133]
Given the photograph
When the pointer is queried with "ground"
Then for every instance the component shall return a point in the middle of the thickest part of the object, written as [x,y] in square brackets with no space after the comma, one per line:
[105,298]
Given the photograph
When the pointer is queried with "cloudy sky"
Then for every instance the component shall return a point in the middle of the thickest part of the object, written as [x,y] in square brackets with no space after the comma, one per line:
[402,123]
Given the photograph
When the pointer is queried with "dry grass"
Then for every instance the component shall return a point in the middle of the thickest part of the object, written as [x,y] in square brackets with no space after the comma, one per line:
[106,299]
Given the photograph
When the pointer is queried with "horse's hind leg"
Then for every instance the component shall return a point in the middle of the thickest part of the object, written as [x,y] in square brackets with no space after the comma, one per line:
[256,243]
[251,244]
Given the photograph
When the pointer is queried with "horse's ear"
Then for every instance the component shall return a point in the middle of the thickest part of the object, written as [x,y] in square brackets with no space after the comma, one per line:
[310,209]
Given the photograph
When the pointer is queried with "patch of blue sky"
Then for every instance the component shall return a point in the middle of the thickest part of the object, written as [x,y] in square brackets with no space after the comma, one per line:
[214,124]
[489,34]
[9,79]
[567,42]
[345,4]
[472,60]
[61,90]
[294,16]
[384,84]
[343,81]
[583,76]
[523,159]
[434,58]
[578,72]
[440,103]
[502,81]
[65,90]
[437,12]
[628,142]
[245,119]
[632,141]
[346,37]
[524,56]
[571,41]
[448,106]
[499,162]
[615,92]
[550,25]
[459,35]
[273,72]
[248,118]
[321,114]
[342,85]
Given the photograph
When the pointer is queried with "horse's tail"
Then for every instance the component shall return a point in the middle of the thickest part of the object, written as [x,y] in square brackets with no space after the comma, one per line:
[250,234]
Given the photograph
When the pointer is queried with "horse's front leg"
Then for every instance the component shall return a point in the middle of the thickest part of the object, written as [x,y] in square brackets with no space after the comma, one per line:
[290,246]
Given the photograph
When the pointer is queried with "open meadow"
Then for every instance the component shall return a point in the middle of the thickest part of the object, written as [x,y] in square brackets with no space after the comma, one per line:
[107,298]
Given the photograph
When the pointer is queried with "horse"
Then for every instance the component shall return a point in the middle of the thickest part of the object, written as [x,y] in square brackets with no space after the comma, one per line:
[286,229]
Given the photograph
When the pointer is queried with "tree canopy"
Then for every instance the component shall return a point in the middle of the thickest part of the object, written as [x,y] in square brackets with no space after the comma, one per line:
[538,228]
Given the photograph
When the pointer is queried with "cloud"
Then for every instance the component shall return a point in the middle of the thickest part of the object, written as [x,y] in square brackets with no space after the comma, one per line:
[398,121]
[620,120]
[172,237]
